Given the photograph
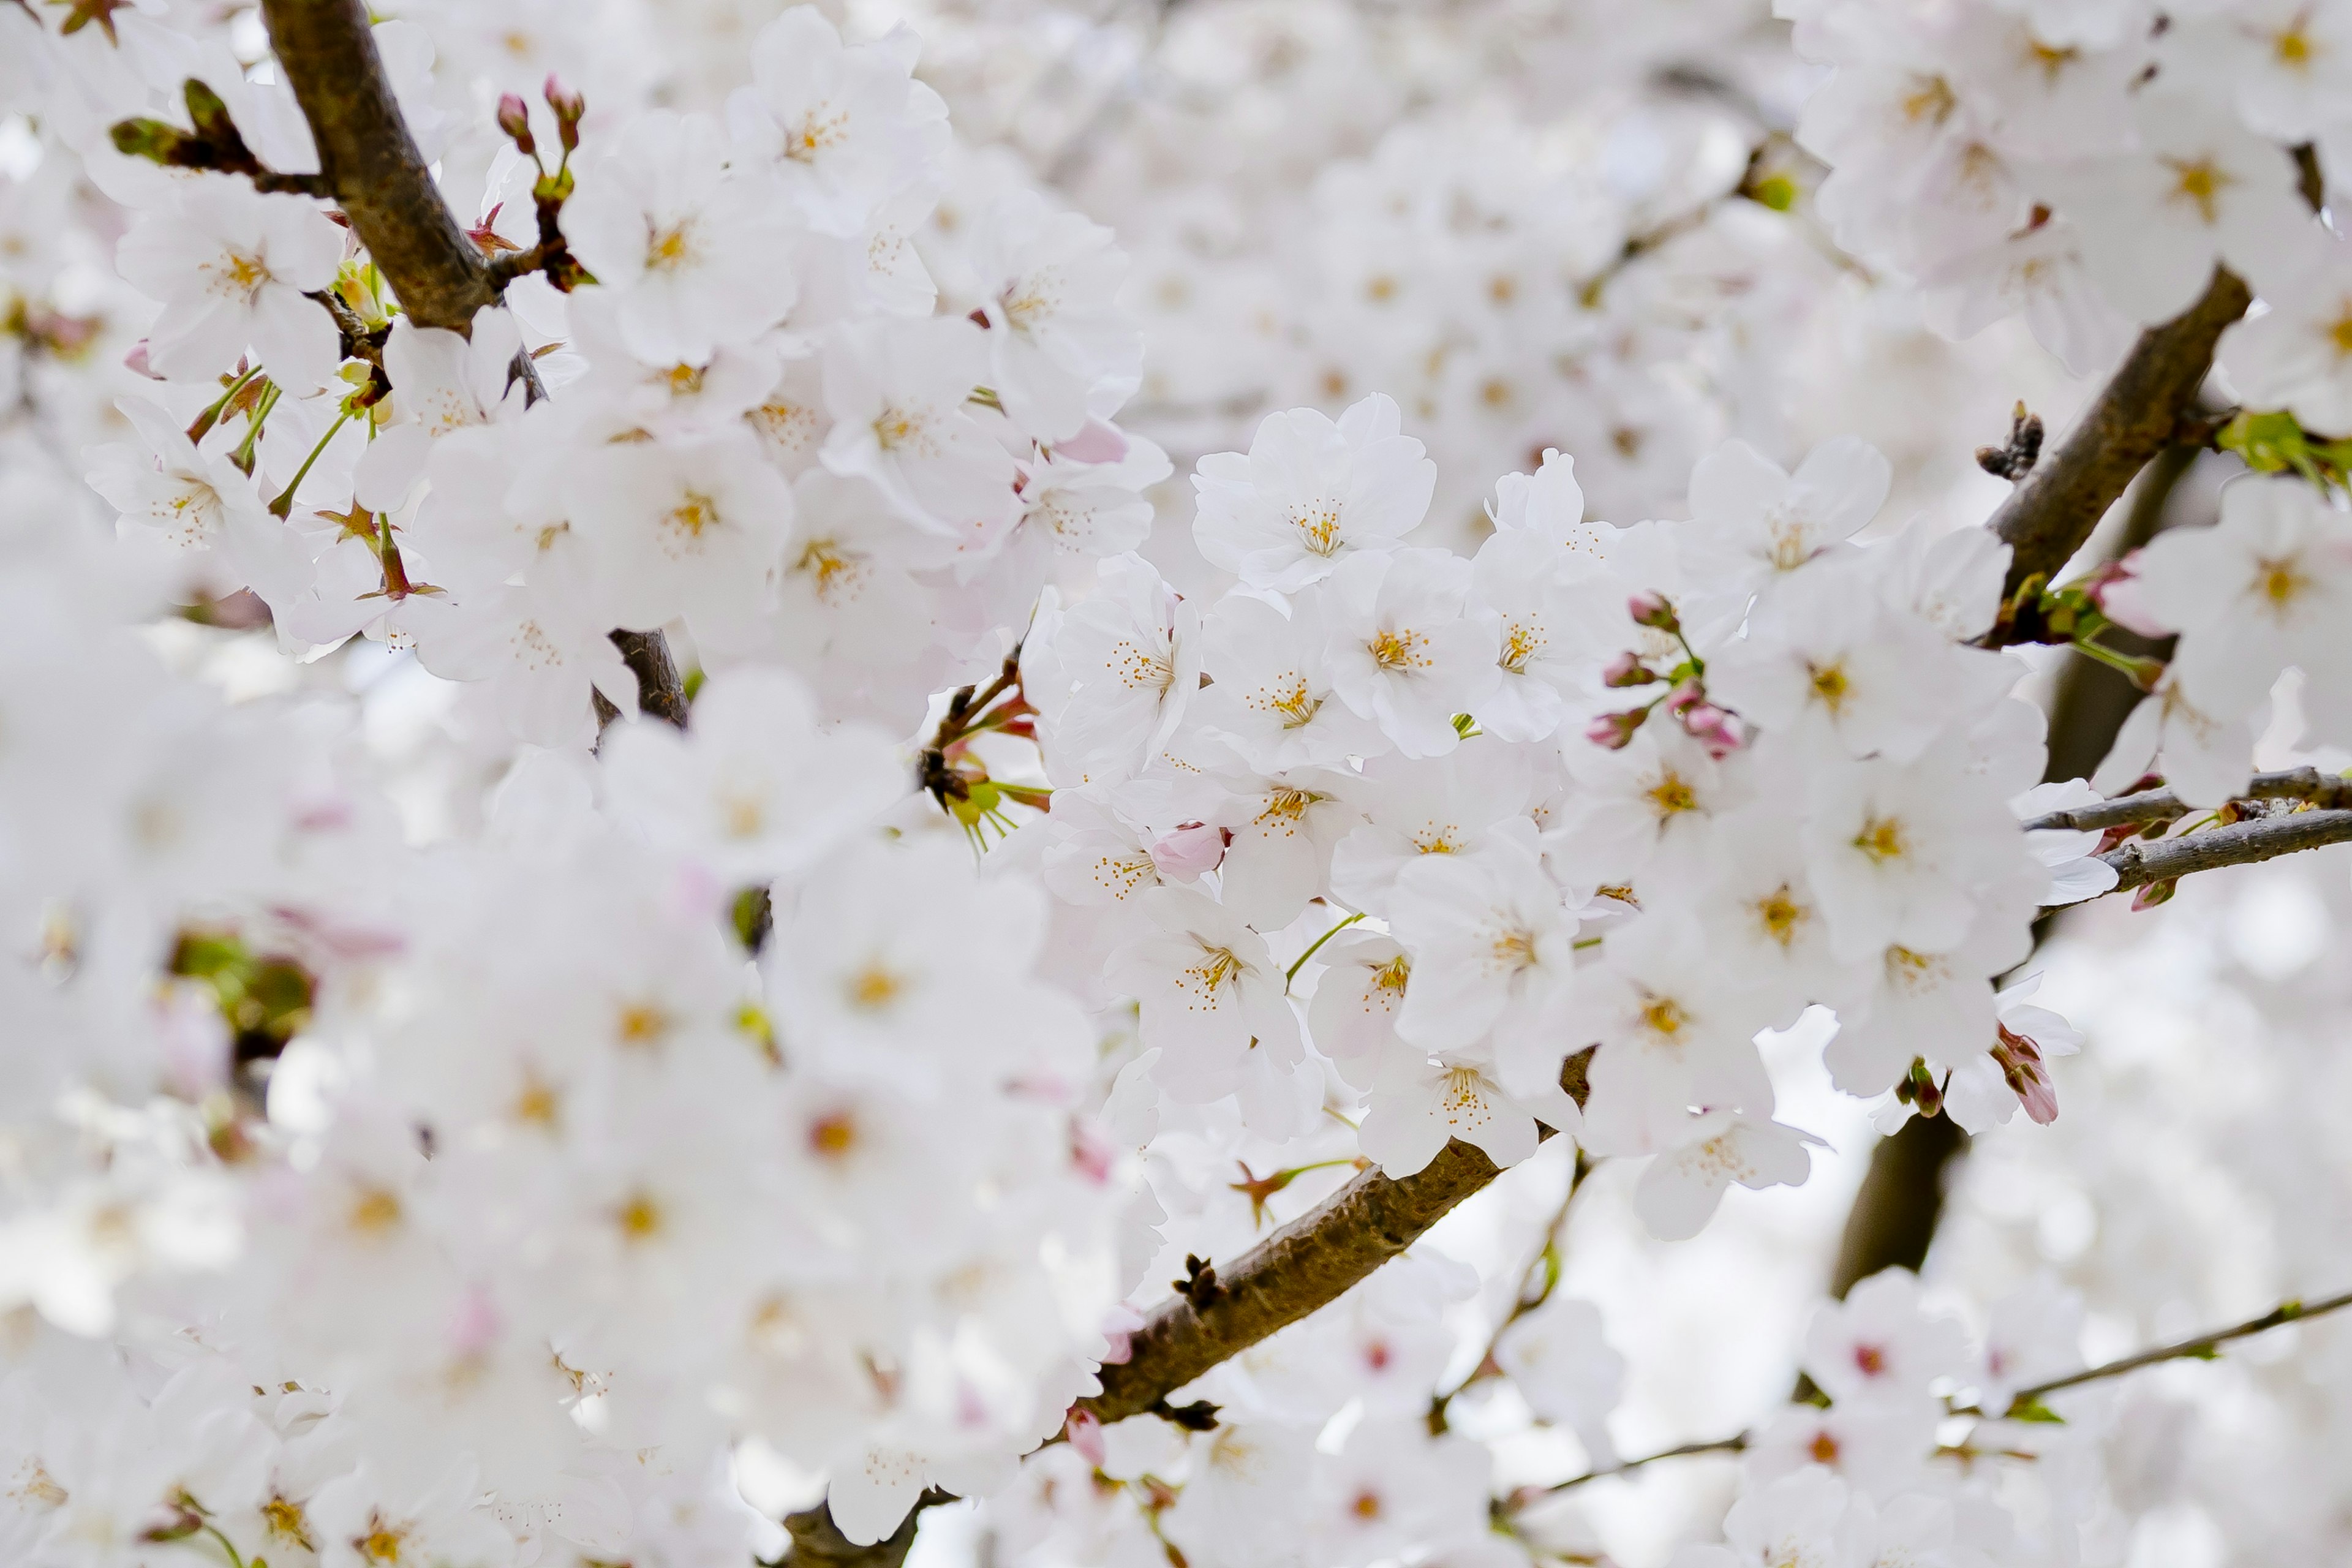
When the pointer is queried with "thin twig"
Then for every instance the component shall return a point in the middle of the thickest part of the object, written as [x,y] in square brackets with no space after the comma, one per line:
[2201,1347]
[2138,863]
[2331,789]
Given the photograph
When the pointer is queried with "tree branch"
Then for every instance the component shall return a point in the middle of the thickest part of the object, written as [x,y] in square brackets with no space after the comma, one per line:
[2330,789]
[2051,513]
[371,166]
[371,163]
[2144,861]
[1306,1264]
[2201,1347]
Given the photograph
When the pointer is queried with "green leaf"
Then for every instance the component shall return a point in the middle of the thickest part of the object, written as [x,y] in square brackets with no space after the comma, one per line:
[2034,1410]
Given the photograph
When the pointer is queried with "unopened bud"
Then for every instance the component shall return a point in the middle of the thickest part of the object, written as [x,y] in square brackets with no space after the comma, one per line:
[1716,729]
[569,106]
[1649,608]
[2020,1059]
[1190,851]
[1615,730]
[1684,696]
[1627,669]
[514,119]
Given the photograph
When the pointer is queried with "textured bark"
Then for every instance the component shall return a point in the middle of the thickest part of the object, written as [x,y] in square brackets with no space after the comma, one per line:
[1306,1264]
[375,173]
[660,692]
[2048,516]
[2333,791]
[2141,862]
[370,162]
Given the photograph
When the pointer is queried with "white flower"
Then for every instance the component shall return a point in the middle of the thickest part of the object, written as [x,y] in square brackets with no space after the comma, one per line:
[844,128]
[1903,853]
[1417,1106]
[1311,492]
[1881,1345]
[231,269]
[897,393]
[1047,283]
[1491,964]
[1271,697]
[691,251]
[442,381]
[1402,652]
[689,528]
[1672,1034]
[2297,355]
[2202,191]
[1114,673]
[1548,608]
[198,503]
[1678,1193]
[1753,524]
[1211,996]
[2286,65]
[1357,998]
[541,655]
[755,790]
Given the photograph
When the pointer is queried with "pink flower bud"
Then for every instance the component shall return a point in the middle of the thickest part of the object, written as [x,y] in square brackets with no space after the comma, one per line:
[1686,697]
[1716,729]
[1615,730]
[514,119]
[569,106]
[2021,1065]
[1190,851]
[1651,608]
[1085,1433]
[1095,442]
[1627,669]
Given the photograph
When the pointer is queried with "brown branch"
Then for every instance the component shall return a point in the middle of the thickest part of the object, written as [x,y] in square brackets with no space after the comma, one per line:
[2144,861]
[660,692]
[2047,518]
[1306,1264]
[1737,1443]
[378,177]
[2333,791]
[371,163]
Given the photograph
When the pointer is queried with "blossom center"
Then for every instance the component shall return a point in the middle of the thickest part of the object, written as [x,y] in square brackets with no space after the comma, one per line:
[696,512]
[1398,650]
[1673,794]
[376,1211]
[1830,684]
[1881,838]
[669,250]
[383,1543]
[1780,914]
[2200,182]
[1522,643]
[639,1217]
[1319,527]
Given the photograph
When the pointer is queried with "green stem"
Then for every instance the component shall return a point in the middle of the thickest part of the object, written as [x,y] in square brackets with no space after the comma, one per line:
[211,416]
[243,455]
[1317,943]
[2136,671]
[283,506]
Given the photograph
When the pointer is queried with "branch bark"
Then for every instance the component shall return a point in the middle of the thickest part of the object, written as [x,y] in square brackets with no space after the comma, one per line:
[2047,518]
[373,168]
[2331,789]
[2144,861]
[1306,1264]
[371,163]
